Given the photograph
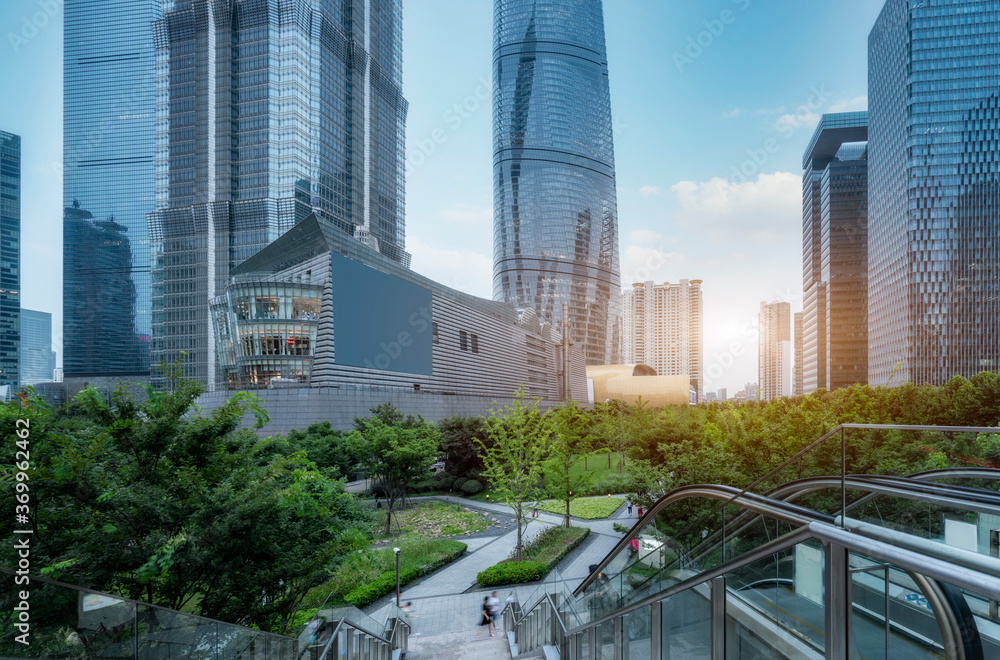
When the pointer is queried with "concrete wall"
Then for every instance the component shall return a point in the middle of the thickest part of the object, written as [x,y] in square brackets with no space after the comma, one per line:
[297,408]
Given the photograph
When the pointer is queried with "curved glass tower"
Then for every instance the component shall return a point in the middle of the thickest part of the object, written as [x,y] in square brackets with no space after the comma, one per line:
[555,241]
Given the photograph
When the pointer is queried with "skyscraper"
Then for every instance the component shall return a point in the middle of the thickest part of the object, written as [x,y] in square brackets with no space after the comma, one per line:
[835,254]
[663,328]
[555,201]
[797,373]
[38,360]
[774,361]
[934,214]
[109,109]
[10,257]
[268,112]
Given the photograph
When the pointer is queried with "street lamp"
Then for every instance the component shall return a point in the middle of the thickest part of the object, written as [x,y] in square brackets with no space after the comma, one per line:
[396,550]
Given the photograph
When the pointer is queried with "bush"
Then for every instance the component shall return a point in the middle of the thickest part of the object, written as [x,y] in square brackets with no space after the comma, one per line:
[613,483]
[458,483]
[554,543]
[368,592]
[471,487]
[511,572]
[445,481]
[423,556]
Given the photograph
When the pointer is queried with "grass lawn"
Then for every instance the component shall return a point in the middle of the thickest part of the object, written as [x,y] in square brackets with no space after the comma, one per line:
[590,508]
[366,576]
[596,465]
[431,520]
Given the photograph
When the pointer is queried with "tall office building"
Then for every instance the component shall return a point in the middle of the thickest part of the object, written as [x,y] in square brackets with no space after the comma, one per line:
[835,254]
[109,106]
[797,373]
[934,215]
[268,112]
[663,328]
[555,240]
[10,257]
[774,359]
[38,360]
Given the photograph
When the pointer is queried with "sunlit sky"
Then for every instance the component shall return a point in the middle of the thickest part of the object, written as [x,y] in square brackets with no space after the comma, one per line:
[696,95]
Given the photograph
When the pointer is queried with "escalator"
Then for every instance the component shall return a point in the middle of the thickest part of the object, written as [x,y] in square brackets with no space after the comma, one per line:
[775,578]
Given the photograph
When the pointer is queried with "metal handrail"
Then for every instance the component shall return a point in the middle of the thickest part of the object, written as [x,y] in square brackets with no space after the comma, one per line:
[333,636]
[984,584]
[841,428]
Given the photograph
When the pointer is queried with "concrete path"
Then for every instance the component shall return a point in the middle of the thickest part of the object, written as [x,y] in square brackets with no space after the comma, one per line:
[459,646]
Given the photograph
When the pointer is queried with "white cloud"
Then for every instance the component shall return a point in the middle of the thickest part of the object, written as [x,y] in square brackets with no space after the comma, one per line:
[468,271]
[797,120]
[644,264]
[651,191]
[732,114]
[856,104]
[756,211]
[644,236]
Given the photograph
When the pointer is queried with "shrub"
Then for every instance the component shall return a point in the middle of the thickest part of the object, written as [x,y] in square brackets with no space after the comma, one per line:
[511,572]
[458,483]
[471,487]
[613,483]
[446,481]
[554,543]
[368,592]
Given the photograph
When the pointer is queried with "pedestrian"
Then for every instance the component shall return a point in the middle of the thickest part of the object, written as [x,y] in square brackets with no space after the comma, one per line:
[634,546]
[409,616]
[639,512]
[493,605]
[628,503]
[484,620]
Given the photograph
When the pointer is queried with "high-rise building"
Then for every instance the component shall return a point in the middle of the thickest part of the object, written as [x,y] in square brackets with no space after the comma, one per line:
[722,394]
[835,254]
[555,201]
[10,257]
[663,328]
[109,109]
[797,374]
[774,364]
[38,360]
[934,213]
[268,112]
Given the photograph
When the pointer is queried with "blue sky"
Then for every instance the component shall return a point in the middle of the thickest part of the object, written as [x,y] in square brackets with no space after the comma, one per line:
[699,87]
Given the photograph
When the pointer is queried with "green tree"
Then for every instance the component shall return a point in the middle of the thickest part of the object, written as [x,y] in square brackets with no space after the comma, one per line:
[153,501]
[395,451]
[513,464]
[458,441]
[568,445]
[327,447]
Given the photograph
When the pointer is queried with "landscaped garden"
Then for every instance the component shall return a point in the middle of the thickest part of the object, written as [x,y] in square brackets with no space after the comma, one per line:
[588,508]
[538,557]
[432,520]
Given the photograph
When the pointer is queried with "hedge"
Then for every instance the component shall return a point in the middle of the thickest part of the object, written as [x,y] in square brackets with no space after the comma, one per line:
[511,572]
[471,487]
[458,483]
[368,593]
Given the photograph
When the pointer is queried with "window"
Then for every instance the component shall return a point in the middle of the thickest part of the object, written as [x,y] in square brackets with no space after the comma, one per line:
[475,343]
[463,340]
[270,345]
[297,346]
[435,334]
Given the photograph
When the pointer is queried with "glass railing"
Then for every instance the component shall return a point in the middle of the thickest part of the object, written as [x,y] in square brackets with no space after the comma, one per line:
[64,621]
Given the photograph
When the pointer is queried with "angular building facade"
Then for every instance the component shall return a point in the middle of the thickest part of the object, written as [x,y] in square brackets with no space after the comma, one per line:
[109,108]
[663,328]
[10,258]
[835,254]
[555,221]
[774,359]
[268,112]
[297,324]
[934,215]
[38,360]
[797,374]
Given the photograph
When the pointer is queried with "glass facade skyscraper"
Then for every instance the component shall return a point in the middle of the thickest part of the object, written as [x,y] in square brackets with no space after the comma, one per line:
[555,202]
[10,257]
[38,360]
[268,112]
[834,338]
[109,107]
[934,189]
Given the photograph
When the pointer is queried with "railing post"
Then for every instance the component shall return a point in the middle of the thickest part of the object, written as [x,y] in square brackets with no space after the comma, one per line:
[619,643]
[843,478]
[656,629]
[995,551]
[718,622]
[838,608]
